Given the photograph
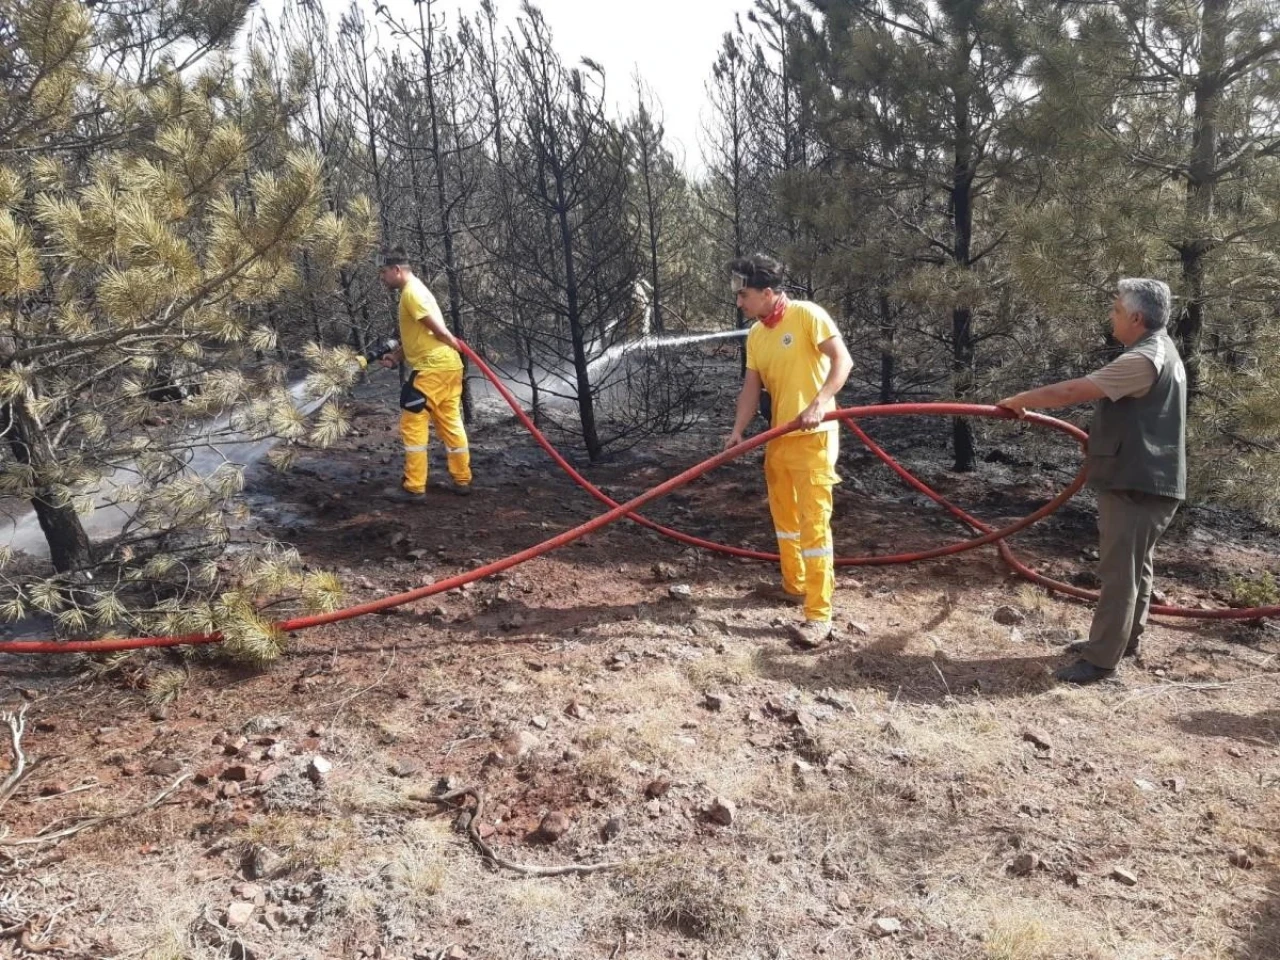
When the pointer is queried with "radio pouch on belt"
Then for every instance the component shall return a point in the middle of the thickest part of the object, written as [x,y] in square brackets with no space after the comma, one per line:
[412,399]
[766,406]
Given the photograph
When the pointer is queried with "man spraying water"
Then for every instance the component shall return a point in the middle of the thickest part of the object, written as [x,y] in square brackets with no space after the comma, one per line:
[433,392]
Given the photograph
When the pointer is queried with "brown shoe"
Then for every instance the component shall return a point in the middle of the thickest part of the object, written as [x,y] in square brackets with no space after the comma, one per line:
[811,634]
[774,593]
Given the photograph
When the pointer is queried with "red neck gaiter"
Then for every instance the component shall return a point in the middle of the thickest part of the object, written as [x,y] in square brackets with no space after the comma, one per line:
[779,308]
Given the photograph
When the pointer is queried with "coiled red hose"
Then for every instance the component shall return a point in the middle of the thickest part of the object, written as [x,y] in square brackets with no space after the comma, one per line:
[619,510]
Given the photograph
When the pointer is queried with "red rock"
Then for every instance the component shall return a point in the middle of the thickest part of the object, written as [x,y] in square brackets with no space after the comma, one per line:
[657,788]
[1024,865]
[247,891]
[554,826]
[1038,739]
[519,744]
[722,811]
[1240,858]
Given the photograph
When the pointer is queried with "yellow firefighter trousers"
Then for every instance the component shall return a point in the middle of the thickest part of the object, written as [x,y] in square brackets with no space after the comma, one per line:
[800,472]
[443,389]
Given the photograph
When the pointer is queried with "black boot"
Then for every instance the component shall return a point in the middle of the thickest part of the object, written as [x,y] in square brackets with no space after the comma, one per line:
[403,496]
[1082,672]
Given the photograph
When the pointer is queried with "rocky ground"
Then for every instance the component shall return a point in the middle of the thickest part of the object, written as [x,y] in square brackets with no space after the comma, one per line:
[920,789]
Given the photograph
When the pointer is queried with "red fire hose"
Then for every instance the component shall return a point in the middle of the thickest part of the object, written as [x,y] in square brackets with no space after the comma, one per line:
[617,511]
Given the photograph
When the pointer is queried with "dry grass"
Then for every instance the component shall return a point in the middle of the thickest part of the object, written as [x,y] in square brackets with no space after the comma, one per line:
[1033,599]
[157,915]
[601,766]
[313,842]
[608,749]
[169,937]
[972,736]
[867,832]
[392,730]
[727,671]
[419,867]
[1027,931]
[372,794]
[705,897]
[541,908]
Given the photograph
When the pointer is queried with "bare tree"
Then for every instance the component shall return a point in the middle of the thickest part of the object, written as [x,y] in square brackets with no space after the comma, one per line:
[572,246]
[733,190]
[441,129]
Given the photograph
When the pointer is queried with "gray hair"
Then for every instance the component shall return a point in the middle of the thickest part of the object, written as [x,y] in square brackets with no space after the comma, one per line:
[1151,298]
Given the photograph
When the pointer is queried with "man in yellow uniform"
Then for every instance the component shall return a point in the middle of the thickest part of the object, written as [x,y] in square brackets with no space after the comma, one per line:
[433,392]
[795,352]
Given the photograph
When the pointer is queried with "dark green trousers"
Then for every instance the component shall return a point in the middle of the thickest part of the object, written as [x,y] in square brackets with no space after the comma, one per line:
[1129,526]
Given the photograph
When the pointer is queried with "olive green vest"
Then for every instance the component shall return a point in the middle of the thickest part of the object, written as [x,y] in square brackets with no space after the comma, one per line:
[1139,443]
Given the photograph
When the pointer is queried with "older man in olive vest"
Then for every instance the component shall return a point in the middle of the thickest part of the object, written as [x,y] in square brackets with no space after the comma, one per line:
[1136,463]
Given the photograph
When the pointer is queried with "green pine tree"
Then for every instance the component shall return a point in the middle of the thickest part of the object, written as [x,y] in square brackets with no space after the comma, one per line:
[140,248]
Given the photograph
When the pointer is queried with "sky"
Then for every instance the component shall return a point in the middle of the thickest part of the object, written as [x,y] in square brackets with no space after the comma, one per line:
[673,43]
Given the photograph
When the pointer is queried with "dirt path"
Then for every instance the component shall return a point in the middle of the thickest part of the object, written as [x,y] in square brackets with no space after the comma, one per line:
[920,789]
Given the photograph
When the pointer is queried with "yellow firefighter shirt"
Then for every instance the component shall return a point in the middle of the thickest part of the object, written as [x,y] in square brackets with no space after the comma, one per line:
[789,362]
[422,349]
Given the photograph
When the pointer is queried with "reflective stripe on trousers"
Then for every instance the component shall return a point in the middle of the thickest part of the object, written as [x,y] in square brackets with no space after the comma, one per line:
[800,472]
[443,389]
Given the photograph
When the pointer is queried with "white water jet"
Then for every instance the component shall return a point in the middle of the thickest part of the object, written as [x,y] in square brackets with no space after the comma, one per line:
[560,385]
[207,455]
[650,342]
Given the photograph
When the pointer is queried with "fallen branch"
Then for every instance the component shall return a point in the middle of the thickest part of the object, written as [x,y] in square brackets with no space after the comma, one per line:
[945,686]
[65,793]
[1173,686]
[28,943]
[26,937]
[92,822]
[17,724]
[446,800]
